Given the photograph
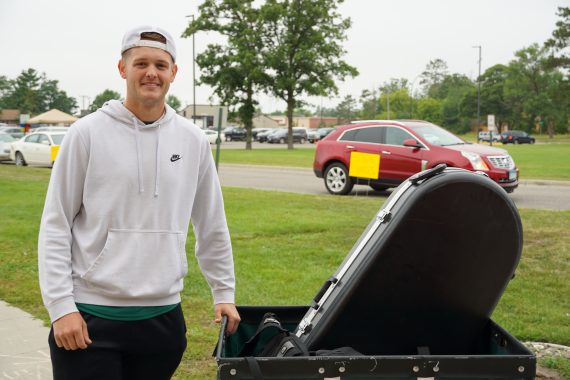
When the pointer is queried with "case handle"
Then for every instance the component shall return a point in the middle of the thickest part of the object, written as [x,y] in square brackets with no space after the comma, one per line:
[330,281]
[426,174]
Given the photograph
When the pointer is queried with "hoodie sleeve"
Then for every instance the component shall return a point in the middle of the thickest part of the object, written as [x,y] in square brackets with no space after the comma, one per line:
[213,246]
[62,204]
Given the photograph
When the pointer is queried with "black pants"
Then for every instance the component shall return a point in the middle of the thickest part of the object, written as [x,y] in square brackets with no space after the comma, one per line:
[124,350]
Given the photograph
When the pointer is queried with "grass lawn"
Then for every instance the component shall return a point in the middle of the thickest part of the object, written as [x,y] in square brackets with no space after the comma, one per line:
[538,161]
[285,246]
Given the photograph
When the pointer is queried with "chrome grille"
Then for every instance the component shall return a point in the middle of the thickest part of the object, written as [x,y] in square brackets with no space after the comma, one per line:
[502,162]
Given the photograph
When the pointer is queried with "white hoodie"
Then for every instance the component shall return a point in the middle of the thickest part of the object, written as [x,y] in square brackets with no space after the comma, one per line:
[117,212]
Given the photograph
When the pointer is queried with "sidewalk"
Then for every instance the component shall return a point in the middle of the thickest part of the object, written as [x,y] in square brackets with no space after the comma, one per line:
[24,351]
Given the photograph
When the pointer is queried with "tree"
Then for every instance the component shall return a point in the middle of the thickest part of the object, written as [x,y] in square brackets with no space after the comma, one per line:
[560,41]
[102,98]
[302,50]
[433,75]
[33,93]
[369,102]
[235,70]
[530,88]
[395,105]
[173,102]
[346,109]
[430,109]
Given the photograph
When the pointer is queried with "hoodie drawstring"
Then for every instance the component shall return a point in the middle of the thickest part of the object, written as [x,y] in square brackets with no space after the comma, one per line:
[157,173]
[139,157]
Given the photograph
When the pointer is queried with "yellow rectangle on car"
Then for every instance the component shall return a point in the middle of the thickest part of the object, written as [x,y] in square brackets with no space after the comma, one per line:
[54,150]
[364,165]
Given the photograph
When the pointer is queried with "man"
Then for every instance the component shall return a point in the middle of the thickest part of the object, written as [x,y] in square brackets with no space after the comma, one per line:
[127,181]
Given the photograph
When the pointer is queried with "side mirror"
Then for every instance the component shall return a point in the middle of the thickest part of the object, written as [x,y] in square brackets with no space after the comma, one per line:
[412,143]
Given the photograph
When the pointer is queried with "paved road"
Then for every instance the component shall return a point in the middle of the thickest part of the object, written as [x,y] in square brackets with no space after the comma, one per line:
[552,195]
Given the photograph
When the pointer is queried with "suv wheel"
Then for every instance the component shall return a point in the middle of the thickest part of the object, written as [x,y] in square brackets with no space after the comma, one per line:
[337,180]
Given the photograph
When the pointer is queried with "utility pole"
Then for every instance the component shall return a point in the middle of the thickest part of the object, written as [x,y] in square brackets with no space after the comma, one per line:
[193,74]
[479,92]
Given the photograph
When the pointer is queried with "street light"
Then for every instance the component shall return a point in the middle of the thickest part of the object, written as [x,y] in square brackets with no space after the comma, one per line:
[479,92]
[412,97]
[193,74]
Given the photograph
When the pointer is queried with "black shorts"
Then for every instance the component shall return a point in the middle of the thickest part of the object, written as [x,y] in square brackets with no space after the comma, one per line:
[124,350]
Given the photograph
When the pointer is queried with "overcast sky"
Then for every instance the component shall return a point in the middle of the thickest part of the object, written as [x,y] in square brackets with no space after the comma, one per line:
[78,42]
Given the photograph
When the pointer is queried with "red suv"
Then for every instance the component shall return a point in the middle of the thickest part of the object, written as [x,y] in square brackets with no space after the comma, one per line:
[385,153]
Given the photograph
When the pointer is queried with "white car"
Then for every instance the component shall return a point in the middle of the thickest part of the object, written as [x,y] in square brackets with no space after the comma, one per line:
[37,148]
[50,129]
[5,141]
[212,135]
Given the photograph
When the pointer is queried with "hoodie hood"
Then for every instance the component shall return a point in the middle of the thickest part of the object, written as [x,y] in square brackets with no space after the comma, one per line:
[116,110]
[119,112]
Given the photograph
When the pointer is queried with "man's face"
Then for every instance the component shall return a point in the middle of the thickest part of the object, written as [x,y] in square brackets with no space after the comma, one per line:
[149,72]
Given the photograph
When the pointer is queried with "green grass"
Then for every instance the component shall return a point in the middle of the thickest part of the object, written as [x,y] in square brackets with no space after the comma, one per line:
[300,157]
[285,246]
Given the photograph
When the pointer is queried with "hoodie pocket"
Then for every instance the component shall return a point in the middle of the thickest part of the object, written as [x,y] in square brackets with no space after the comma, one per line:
[139,264]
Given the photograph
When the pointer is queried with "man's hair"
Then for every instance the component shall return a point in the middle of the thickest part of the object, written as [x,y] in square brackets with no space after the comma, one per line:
[149,36]
[153,36]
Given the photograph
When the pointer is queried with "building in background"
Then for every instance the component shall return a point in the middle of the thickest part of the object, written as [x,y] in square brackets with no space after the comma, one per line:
[264,121]
[206,115]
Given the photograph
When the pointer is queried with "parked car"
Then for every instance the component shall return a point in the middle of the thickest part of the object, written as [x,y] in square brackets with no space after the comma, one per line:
[212,135]
[324,132]
[312,135]
[15,132]
[299,136]
[5,141]
[255,131]
[485,136]
[37,148]
[234,134]
[401,149]
[262,136]
[516,137]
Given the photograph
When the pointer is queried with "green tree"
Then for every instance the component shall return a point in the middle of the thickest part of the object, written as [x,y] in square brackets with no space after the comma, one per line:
[33,93]
[102,98]
[531,89]
[302,50]
[347,109]
[433,75]
[235,70]
[369,104]
[395,105]
[430,109]
[560,41]
[174,102]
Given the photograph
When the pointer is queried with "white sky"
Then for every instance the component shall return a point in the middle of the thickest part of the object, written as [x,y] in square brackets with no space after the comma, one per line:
[78,42]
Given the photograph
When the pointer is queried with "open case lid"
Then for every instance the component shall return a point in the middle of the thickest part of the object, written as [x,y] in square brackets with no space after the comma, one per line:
[431,274]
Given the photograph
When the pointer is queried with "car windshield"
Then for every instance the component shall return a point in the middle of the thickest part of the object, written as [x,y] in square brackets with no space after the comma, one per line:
[57,139]
[437,136]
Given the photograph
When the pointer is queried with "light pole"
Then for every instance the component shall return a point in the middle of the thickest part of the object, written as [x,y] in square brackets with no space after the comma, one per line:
[412,97]
[193,74]
[479,91]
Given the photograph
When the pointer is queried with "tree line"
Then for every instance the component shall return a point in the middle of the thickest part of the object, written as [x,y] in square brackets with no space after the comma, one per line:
[531,92]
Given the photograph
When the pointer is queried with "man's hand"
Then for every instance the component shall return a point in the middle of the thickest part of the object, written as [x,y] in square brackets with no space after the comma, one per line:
[228,309]
[70,332]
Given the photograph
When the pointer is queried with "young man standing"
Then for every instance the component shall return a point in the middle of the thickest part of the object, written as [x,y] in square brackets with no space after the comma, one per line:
[128,180]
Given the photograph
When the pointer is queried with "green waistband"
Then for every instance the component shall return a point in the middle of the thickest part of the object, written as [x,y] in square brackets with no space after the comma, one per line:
[125,313]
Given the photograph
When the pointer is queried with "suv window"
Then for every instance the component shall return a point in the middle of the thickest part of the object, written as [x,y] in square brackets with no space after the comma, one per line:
[367,135]
[396,136]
